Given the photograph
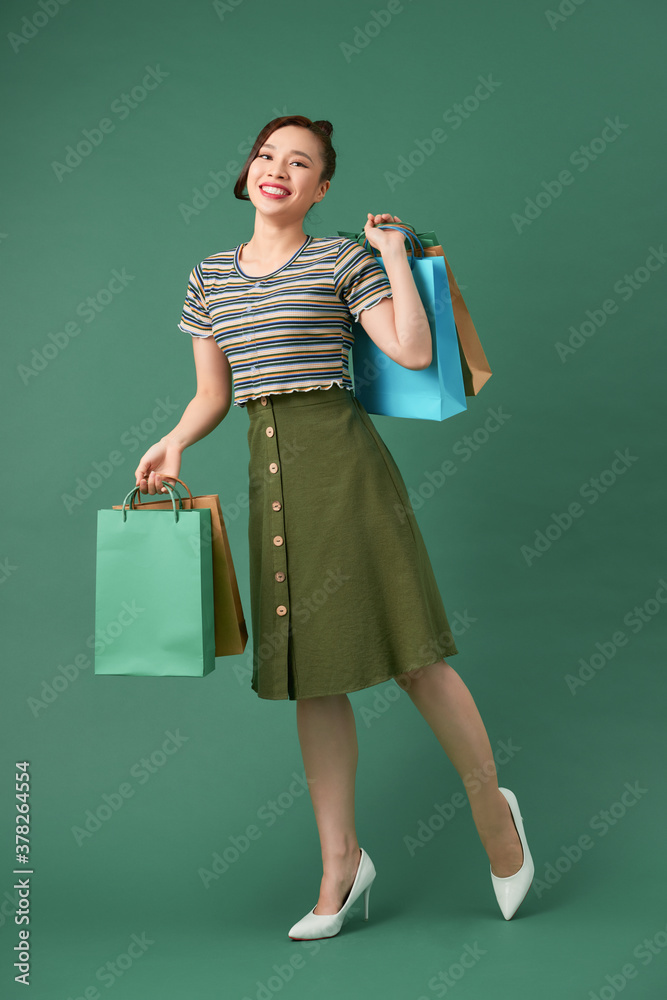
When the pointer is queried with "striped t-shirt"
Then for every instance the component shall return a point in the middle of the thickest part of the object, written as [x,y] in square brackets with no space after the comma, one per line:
[289,330]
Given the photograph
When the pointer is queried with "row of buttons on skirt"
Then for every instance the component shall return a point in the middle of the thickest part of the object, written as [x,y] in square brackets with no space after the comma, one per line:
[278,540]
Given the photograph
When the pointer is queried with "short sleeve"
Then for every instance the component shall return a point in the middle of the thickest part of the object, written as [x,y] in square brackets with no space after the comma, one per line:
[195,319]
[359,280]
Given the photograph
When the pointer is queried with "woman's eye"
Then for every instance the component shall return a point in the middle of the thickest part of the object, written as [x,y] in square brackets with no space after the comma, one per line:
[293,161]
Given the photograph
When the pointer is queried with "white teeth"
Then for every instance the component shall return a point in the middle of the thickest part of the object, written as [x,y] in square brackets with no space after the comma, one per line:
[274,190]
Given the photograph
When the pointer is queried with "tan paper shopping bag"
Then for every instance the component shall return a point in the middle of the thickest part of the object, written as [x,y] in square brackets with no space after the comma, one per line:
[474,364]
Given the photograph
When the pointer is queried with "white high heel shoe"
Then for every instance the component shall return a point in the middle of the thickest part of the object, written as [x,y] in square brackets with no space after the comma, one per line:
[511,891]
[323,925]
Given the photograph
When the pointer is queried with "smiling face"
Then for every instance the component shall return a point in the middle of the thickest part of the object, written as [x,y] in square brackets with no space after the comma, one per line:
[284,177]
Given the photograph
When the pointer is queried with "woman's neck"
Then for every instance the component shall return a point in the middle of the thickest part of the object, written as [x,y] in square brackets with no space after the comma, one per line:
[264,257]
[273,243]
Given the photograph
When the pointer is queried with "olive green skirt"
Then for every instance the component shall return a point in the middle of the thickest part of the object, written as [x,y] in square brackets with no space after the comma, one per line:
[343,594]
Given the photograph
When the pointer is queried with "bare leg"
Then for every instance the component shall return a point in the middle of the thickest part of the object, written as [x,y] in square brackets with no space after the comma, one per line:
[328,738]
[448,707]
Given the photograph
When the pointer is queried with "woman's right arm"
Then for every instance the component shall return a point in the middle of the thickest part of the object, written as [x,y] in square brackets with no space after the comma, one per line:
[203,413]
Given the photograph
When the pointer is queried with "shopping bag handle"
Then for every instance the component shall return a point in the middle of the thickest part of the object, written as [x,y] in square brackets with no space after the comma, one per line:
[172,491]
[405,227]
[409,234]
[192,499]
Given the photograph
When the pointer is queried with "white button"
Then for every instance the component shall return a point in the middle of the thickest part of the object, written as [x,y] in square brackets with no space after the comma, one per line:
[248,308]
[258,284]
[248,336]
[253,368]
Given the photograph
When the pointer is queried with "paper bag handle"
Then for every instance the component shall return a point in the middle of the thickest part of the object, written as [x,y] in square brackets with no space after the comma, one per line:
[172,492]
[192,499]
[409,234]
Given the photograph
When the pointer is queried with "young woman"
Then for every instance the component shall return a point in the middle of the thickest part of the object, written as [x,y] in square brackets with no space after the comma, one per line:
[343,595]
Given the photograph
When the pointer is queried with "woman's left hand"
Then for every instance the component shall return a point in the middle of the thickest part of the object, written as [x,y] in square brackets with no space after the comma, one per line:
[384,240]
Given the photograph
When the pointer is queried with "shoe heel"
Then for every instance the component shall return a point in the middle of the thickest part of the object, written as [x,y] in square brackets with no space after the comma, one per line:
[367,894]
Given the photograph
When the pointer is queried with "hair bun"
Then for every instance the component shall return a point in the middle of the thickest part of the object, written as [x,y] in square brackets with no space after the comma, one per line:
[326,126]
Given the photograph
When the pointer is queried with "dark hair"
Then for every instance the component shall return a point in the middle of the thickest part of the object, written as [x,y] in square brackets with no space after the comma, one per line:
[321,128]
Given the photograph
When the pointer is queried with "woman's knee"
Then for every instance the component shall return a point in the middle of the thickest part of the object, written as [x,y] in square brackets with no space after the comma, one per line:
[410,677]
[323,702]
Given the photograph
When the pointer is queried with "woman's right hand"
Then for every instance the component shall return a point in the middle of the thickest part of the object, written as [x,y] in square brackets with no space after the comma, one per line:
[161,461]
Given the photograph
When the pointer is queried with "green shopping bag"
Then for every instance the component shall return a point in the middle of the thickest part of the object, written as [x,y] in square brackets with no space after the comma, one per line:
[154,614]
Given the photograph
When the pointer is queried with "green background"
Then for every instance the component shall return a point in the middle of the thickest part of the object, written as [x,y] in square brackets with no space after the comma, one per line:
[526,285]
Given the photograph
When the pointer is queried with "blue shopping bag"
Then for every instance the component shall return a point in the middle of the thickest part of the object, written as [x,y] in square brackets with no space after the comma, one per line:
[385,387]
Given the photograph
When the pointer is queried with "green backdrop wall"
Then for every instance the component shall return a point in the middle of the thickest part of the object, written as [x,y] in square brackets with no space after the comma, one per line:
[546,188]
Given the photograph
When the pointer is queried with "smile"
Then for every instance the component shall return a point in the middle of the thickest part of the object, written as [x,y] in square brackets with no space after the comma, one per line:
[273,192]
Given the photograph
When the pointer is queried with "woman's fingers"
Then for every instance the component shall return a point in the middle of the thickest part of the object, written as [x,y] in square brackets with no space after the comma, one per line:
[150,482]
[147,482]
[385,217]
[154,482]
